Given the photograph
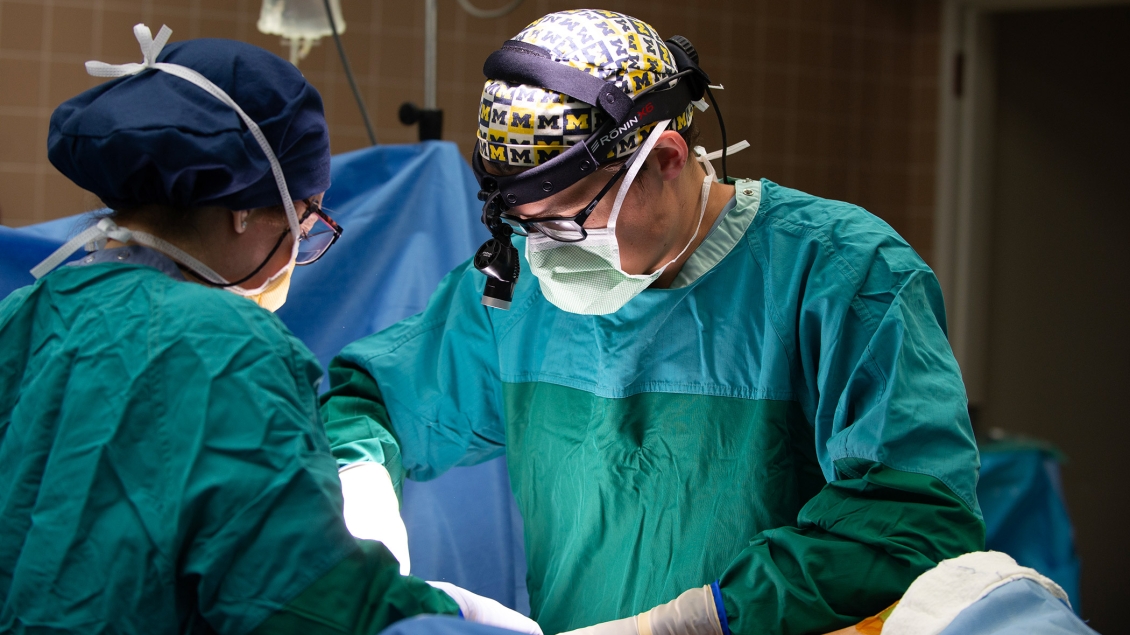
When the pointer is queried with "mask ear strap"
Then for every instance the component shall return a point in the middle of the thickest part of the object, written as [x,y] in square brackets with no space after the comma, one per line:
[703,199]
[106,228]
[700,154]
[636,162]
[706,158]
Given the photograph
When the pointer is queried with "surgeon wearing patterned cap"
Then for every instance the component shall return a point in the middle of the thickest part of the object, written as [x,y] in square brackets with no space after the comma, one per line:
[726,406]
[164,468]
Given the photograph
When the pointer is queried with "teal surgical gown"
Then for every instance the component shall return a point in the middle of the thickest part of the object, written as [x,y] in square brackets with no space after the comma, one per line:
[163,468]
[787,418]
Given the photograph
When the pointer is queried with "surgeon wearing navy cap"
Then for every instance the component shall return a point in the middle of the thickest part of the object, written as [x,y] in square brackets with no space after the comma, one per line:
[163,467]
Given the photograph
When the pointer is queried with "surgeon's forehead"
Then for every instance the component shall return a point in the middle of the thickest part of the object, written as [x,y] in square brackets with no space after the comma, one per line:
[571,199]
[568,201]
[501,169]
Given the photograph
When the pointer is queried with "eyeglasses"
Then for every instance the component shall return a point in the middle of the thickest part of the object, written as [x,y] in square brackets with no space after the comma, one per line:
[565,229]
[319,233]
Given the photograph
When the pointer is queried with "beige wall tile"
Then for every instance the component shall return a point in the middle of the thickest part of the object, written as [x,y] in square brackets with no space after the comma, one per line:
[67,79]
[21,82]
[224,6]
[176,4]
[221,27]
[64,198]
[173,14]
[17,198]
[118,43]
[21,26]
[72,31]
[23,136]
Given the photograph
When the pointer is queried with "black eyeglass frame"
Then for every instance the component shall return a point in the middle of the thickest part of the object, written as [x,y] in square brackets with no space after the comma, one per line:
[315,208]
[312,208]
[517,223]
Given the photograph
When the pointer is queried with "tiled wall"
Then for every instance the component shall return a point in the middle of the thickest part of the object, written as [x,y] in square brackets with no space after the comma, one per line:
[837,97]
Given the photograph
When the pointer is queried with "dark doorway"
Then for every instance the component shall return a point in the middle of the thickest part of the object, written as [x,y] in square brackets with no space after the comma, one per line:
[1059,325]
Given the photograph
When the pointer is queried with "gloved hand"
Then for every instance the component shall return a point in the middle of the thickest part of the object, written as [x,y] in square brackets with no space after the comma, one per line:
[477,608]
[695,612]
[372,510]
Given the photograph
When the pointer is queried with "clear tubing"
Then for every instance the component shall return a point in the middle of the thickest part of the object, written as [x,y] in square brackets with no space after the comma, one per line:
[430,17]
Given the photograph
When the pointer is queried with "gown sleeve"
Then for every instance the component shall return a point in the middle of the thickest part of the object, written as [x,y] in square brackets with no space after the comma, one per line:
[883,395]
[423,395]
[263,542]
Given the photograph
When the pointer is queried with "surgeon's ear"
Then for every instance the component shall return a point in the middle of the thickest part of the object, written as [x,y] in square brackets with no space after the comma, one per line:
[239,220]
[671,153]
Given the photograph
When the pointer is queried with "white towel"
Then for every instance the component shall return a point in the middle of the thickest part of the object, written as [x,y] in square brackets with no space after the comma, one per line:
[938,595]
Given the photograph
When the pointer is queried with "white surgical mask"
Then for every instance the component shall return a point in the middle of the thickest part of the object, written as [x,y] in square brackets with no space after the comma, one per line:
[271,294]
[586,277]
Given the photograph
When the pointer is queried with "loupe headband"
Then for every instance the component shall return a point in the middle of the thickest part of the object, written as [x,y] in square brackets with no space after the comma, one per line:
[522,63]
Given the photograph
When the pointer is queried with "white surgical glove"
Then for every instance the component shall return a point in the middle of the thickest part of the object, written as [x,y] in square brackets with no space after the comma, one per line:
[692,613]
[477,608]
[372,511]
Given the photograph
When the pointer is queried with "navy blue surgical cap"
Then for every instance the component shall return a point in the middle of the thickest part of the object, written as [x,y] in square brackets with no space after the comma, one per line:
[154,138]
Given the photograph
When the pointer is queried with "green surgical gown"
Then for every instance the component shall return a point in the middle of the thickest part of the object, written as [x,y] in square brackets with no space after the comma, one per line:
[163,469]
[787,418]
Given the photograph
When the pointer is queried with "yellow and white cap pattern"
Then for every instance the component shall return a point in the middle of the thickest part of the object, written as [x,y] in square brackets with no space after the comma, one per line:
[525,126]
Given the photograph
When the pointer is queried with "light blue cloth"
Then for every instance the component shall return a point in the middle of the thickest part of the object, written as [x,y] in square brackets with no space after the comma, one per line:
[1022,607]
[1025,514]
[409,215]
[441,625]
[21,249]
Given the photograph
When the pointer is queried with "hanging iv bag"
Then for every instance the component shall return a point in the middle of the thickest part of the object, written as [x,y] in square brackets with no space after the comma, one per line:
[301,23]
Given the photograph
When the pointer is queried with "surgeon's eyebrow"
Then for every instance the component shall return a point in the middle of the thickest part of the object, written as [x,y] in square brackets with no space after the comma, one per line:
[552,212]
[503,169]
